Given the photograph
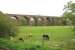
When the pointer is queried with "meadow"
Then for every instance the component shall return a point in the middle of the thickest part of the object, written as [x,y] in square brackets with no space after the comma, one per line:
[57,34]
[32,37]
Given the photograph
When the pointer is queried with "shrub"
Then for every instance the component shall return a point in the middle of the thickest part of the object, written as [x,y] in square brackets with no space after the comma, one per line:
[7,26]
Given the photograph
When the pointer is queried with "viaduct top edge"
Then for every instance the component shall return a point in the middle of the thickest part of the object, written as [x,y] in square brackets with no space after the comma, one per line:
[30,15]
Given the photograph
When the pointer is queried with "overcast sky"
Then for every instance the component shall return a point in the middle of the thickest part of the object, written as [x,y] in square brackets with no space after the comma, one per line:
[33,7]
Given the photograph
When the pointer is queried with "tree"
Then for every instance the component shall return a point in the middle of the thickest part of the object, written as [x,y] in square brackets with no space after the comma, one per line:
[7,26]
[70,14]
[70,11]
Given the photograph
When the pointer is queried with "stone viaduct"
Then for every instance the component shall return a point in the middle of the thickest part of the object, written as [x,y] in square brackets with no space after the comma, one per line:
[37,20]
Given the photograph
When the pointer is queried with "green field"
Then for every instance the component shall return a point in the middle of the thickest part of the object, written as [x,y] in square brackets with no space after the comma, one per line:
[56,34]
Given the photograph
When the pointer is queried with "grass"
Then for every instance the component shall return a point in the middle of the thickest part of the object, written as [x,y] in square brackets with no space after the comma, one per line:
[55,32]
[57,35]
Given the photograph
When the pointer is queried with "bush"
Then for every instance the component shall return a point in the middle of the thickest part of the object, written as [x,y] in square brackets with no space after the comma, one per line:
[7,26]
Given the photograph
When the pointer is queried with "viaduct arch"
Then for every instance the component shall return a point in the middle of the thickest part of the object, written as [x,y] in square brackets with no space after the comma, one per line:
[36,20]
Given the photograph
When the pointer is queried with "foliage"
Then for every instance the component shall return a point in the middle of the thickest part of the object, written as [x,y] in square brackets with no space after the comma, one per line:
[7,26]
[70,11]
[8,44]
[22,21]
[70,15]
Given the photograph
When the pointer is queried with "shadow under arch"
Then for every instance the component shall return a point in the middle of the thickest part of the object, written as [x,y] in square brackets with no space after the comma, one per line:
[26,20]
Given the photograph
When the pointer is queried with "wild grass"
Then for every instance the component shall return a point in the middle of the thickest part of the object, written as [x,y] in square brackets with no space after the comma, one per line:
[57,34]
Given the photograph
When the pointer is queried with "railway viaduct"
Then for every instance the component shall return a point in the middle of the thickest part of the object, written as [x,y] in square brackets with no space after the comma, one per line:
[38,20]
